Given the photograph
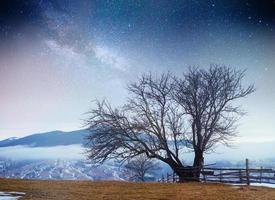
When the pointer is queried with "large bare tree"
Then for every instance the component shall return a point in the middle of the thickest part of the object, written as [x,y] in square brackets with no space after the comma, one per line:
[165,114]
[208,97]
[150,123]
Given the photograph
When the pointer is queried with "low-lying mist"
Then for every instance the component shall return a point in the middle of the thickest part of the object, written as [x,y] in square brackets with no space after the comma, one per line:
[240,151]
[43,153]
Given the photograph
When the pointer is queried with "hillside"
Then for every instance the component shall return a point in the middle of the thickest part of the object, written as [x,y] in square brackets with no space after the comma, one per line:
[88,190]
[60,170]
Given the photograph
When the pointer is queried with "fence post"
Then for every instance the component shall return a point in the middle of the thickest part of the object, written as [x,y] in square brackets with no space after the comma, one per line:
[240,174]
[261,174]
[167,177]
[220,175]
[203,174]
[247,171]
[174,177]
[162,178]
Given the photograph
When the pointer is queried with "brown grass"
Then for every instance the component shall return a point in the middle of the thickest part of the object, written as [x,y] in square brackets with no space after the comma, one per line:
[88,190]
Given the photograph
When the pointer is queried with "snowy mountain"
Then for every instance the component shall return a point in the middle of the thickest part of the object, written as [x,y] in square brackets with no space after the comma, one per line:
[48,139]
[53,155]
[7,141]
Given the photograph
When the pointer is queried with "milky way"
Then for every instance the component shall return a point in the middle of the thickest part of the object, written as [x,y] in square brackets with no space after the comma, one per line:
[58,56]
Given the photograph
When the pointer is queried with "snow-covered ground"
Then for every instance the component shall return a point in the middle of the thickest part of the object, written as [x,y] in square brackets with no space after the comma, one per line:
[264,185]
[11,195]
[256,184]
[61,170]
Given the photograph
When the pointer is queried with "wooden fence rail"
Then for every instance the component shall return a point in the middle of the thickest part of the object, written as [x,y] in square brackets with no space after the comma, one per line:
[229,175]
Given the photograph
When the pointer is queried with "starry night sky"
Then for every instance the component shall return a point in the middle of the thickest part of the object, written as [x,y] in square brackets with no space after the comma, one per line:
[57,56]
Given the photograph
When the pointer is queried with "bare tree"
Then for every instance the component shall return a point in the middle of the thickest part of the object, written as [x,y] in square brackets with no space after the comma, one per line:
[150,123]
[208,98]
[165,115]
[139,167]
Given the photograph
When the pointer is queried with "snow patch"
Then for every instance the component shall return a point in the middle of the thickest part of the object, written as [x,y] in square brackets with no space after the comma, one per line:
[11,195]
[263,185]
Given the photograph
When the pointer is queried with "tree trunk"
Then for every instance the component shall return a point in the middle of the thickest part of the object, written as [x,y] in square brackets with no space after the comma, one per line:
[184,173]
[188,173]
[198,164]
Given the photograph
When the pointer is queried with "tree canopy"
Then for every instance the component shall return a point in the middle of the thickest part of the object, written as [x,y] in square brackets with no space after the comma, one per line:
[165,114]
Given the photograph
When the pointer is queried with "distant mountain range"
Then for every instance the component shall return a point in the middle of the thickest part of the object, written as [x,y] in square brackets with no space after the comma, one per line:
[54,155]
[60,155]
[53,142]
[48,139]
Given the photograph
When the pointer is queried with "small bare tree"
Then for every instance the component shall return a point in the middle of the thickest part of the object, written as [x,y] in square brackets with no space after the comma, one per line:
[139,167]
[208,97]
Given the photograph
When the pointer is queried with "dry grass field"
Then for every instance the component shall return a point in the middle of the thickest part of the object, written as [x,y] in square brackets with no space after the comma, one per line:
[86,190]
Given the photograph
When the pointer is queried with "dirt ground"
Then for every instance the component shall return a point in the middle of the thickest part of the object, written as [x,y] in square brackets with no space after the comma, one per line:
[115,190]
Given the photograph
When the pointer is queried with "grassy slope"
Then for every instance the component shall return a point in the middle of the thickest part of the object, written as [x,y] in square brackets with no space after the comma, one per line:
[84,190]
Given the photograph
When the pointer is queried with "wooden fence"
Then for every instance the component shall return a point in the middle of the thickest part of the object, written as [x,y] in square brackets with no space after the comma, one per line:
[230,175]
